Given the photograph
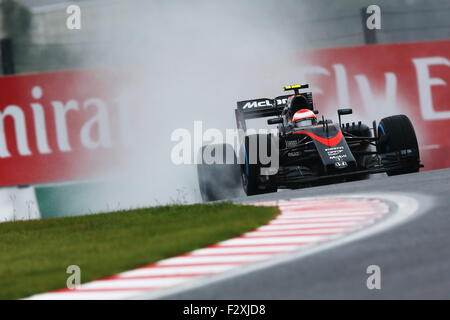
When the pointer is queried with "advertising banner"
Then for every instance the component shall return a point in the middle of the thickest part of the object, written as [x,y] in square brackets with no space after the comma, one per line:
[54,127]
[64,126]
[383,80]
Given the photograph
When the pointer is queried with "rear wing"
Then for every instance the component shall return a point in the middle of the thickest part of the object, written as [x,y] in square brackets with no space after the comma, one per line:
[264,107]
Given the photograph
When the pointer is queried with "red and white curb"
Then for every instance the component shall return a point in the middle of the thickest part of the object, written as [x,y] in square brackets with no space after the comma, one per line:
[300,225]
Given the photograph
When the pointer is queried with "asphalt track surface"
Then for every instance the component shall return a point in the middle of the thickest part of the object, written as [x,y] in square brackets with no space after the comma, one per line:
[414,257]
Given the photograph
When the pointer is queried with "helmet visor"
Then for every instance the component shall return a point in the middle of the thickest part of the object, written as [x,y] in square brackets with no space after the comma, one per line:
[304,123]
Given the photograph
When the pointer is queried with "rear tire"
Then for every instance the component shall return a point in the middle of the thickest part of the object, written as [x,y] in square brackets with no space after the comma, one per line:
[398,138]
[219,181]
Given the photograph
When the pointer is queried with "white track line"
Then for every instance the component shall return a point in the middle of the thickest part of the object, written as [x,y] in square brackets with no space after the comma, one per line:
[304,225]
[213,259]
[176,270]
[230,250]
[308,226]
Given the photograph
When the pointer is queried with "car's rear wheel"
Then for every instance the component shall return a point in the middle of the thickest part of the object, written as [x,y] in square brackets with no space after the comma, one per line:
[219,181]
[397,143]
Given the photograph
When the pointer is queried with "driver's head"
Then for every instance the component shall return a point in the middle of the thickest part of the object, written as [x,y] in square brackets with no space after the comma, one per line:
[304,118]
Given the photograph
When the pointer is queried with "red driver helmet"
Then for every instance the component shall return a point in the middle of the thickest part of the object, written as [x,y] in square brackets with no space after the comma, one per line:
[304,118]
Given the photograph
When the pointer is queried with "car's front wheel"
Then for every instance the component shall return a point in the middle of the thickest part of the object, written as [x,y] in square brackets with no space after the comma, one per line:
[397,144]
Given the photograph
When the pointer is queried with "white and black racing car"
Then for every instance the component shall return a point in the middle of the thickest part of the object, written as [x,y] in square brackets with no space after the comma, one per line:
[305,151]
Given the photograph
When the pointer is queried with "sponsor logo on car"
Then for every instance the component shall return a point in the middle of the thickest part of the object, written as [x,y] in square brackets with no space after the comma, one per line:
[294,154]
[341,164]
[257,104]
[292,143]
[336,153]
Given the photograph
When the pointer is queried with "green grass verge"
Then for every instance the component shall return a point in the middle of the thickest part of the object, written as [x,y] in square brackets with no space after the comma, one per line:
[34,255]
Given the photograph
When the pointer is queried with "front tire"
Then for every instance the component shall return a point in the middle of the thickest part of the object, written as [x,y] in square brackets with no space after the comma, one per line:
[398,143]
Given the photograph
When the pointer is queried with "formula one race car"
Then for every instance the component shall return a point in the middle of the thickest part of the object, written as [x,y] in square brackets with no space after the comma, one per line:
[306,151]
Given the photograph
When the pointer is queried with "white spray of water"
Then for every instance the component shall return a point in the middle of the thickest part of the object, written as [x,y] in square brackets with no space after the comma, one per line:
[188,61]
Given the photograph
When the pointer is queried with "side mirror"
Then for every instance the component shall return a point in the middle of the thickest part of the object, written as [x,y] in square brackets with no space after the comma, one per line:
[275,121]
[316,111]
[343,112]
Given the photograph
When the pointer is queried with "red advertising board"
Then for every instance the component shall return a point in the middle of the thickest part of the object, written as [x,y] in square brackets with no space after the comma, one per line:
[64,125]
[54,127]
[382,80]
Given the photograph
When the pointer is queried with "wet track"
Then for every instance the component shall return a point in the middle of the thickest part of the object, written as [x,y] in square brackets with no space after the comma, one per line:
[414,257]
